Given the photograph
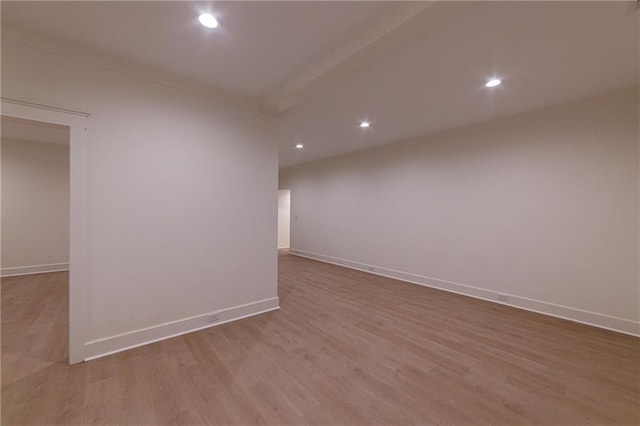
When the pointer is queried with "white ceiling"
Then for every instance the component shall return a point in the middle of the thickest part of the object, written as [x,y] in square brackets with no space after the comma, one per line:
[412,68]
[33,131]
[257,46]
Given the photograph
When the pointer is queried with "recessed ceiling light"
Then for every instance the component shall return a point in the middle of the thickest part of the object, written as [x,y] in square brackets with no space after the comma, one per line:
[208,20]
[493,82]
[364,124]
[299,146]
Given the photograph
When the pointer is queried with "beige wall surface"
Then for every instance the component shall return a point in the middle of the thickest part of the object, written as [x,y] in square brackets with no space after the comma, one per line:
[181,196]
[541,207]
[35,205]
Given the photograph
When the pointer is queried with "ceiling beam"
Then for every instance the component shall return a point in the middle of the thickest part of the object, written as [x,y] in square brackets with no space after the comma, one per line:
[408,21]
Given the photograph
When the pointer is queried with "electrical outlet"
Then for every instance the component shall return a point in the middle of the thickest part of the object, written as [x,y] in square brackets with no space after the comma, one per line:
[503,298]
[213,317]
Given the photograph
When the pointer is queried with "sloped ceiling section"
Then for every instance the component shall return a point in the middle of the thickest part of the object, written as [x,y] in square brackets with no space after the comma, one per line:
[411,68]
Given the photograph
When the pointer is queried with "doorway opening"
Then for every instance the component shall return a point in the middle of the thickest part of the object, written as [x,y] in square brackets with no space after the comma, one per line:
[35,197]
[284,219]
[48,233]
[35,240]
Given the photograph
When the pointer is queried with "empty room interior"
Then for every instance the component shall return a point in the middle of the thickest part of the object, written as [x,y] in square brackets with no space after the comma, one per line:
[320,212]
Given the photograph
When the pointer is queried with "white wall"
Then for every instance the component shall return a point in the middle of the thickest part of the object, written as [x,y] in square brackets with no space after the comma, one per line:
[284,213]
[35,206]
[181,198]
[542,207]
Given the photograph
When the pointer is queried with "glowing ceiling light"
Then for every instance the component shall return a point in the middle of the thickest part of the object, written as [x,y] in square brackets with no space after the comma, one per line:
[208,20]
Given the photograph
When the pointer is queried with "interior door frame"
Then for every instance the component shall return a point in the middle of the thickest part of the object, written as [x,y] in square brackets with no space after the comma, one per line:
[78,123]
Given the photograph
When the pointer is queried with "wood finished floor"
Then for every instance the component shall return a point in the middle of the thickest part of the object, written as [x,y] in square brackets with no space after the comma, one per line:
[347,348]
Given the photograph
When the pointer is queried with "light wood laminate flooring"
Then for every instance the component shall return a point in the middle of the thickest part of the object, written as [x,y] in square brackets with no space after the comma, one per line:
[346,348]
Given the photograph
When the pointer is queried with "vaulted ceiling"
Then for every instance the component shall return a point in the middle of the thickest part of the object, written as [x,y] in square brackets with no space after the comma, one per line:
[410,68]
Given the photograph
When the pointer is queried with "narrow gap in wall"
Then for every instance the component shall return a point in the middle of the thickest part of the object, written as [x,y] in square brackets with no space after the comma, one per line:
[284,219]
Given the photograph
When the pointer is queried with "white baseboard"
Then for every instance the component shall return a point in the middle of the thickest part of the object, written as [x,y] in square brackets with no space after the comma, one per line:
[33,269]
[608,322]
[133,339]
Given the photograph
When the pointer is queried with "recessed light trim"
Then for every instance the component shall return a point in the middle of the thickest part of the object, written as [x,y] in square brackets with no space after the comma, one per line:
[364,124]
[299,146]
[493,82]
[208,20]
